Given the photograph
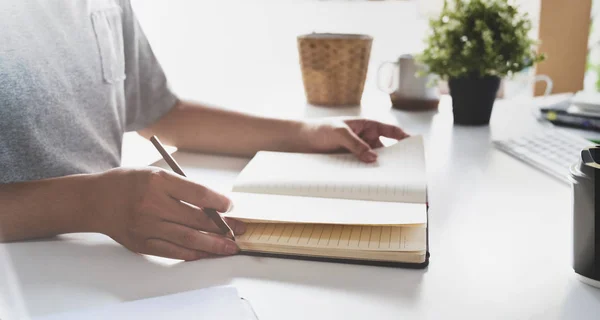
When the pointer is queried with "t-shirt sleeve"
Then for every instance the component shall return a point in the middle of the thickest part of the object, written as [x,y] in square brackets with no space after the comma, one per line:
[147,94]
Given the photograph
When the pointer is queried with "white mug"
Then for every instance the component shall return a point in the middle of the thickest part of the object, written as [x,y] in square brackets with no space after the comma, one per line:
[522,81]
[406,84]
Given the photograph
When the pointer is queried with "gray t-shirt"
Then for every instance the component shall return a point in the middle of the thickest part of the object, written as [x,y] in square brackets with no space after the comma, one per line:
[74,76]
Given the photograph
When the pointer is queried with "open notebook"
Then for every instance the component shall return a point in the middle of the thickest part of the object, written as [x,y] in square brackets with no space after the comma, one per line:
[334,207]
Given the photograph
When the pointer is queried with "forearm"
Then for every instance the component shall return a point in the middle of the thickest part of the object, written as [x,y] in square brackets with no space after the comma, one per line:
[202,128]
[46,208]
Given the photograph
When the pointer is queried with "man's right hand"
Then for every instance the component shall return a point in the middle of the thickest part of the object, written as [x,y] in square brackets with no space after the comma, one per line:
[153,211]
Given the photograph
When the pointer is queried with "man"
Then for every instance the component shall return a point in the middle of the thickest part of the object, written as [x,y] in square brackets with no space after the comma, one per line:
[76,75]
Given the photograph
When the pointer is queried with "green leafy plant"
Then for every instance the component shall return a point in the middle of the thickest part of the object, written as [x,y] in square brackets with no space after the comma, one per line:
[477,38]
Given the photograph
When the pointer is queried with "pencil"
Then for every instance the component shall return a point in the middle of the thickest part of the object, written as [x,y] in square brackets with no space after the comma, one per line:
[211,213]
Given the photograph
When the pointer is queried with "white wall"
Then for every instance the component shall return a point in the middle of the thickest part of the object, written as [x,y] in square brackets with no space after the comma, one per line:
[250,46]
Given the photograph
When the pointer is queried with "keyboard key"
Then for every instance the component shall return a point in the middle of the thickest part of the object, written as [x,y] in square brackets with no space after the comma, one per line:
[551,151]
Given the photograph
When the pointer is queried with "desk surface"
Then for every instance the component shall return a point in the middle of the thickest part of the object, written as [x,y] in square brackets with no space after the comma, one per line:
[500,237]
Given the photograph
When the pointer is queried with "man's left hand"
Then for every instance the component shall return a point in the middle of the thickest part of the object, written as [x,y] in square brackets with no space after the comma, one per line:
[358,136]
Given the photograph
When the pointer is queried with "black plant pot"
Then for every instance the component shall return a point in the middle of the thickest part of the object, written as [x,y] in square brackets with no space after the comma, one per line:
[473,99]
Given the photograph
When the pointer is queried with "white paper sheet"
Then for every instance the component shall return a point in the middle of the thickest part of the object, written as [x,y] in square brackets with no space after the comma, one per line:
[275,208]
[210,303]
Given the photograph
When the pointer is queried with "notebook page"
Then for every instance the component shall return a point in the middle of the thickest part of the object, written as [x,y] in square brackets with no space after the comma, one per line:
[318,236]
[277,208]
[397,176]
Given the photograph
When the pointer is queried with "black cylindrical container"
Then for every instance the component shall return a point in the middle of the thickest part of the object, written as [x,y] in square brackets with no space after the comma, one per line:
[585,177]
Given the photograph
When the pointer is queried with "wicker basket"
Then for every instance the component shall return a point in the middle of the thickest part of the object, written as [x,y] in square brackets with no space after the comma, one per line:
[334,67]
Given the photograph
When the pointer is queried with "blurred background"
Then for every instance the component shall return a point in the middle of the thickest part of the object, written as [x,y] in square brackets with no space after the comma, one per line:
[249,47]
[592,75]
[233,52]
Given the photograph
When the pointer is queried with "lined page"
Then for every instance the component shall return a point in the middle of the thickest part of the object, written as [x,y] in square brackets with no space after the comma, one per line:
[318,236]
[397,176]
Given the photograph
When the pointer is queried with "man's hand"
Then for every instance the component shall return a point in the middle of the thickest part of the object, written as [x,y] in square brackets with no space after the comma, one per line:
[153,211]
[358,136]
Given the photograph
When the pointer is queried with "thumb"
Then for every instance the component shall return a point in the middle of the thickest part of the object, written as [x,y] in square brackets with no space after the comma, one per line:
[357,146]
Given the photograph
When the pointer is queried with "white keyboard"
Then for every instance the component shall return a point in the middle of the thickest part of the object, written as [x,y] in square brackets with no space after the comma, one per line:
[549,150]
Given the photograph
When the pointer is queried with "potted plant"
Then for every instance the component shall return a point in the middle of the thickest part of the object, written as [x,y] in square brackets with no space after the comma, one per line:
[472,44]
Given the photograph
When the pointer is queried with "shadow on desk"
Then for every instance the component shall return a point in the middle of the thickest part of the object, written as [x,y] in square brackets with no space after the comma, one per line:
[99,266]
[381,282]
[102,265]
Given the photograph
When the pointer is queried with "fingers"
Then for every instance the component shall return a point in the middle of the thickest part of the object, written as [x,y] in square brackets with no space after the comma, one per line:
[183,189]
[173,210]
[376,143]
[390,131]
[378,128]
[188,215]
[162,248]
[357,146]
[237,226]
[196,240]
[194,217]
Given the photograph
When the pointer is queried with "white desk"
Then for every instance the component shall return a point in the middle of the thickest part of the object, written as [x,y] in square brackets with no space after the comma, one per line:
[500,242]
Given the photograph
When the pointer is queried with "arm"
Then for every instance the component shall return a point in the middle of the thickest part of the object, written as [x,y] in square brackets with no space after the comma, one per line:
[147,210]
[202,128]
[47,207]
[193,126]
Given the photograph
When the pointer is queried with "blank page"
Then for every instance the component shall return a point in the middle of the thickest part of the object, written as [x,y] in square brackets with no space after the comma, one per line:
[318,236]
[277,208]
[397,176]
